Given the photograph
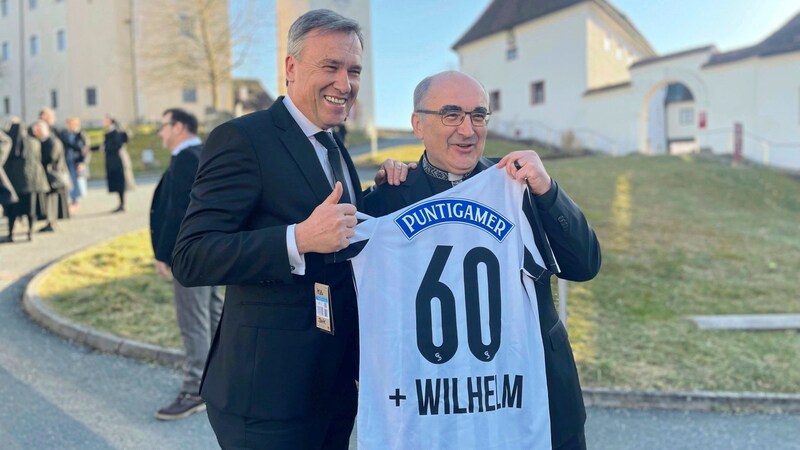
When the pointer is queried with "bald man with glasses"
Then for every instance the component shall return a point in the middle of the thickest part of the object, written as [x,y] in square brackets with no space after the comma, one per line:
[451,114]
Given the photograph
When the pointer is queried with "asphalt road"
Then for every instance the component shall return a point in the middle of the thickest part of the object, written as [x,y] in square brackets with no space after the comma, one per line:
[56,395]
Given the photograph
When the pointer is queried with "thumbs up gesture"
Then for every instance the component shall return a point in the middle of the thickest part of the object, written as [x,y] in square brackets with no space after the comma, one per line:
[329,227]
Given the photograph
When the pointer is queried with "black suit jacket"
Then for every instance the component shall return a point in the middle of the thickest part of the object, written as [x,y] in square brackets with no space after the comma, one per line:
[575,247]
[258,174]
[170,201]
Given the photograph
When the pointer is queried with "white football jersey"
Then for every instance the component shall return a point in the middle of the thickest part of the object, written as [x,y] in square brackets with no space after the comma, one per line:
[451,350]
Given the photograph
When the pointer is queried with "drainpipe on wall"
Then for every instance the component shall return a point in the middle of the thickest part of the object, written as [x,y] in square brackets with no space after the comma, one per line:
[22,58]
[134,72]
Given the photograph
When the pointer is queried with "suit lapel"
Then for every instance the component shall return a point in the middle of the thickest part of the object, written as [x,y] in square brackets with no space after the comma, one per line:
[301,150]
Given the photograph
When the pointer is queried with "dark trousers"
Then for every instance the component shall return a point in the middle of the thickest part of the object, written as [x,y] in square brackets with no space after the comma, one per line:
[577,442]
[323,431]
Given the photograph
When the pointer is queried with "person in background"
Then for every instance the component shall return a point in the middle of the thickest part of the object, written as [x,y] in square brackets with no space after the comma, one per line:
[54,204]
[8,195]
[26,173]
[48,115]
[119,170]
[197,308]
[76,146]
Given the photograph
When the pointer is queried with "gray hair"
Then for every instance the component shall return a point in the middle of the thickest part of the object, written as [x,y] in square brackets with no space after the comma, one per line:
[43,127]
[422,88]
[324,21]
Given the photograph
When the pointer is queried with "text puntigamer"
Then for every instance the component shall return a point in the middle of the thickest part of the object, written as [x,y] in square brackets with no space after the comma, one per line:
[436,212]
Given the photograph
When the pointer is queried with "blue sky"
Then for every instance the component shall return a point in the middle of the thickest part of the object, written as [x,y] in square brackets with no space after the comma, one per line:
[412,38]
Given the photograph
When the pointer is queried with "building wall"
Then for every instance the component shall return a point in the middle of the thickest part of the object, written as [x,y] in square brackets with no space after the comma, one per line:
[10,79]
[43,22]
[70,71]
[623,115]
[610,50]
[566,49]
[612,121]
[363,114]
[777,113]
[157,32]
[763,94]
[98,54]
[550,49]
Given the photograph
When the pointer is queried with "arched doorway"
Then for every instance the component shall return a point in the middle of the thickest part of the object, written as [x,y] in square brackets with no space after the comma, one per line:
[672,120]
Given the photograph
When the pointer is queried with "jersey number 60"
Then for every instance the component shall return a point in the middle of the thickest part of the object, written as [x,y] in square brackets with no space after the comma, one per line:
[432,288]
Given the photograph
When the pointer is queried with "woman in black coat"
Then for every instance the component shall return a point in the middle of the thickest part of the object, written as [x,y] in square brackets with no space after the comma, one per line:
[7,193]
[26,173]
[119,171]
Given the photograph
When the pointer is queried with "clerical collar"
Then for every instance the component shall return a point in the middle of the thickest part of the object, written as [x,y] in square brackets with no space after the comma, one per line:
[440,174]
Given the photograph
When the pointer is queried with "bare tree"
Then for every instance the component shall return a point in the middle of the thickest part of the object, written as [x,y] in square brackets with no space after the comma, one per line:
[191,42]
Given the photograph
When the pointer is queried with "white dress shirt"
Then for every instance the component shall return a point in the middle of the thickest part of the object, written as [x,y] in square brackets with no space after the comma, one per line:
[296,260]
[191,142]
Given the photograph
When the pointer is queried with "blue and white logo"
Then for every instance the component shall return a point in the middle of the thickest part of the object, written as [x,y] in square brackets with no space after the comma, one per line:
[449,210]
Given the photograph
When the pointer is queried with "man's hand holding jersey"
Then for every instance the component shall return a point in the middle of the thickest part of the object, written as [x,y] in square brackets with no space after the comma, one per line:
[525,166]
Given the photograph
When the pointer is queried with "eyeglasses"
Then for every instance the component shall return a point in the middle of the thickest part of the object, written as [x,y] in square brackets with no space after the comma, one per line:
[455,117]
[163,125]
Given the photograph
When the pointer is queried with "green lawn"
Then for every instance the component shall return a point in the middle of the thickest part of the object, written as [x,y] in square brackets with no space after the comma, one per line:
[680,236]
[146,137]
[113,287]
[684,236]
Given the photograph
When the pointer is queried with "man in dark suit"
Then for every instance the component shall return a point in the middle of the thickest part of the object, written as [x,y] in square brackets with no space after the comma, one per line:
[451,114]
[274,194]
[197,308]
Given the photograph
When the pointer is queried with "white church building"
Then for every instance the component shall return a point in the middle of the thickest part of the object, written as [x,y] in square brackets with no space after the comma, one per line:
[578,72]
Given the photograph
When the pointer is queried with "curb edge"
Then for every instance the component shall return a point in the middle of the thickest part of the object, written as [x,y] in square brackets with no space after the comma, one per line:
[101,341]
[714,401]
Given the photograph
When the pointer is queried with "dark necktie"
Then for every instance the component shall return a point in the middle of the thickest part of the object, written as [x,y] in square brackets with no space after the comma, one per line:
[336,163]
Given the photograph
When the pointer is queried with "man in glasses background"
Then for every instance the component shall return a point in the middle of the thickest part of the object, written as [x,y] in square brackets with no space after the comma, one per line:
[451,114]
[198,308]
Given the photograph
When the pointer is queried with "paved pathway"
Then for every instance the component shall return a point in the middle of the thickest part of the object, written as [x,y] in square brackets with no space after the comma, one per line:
[56,395]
